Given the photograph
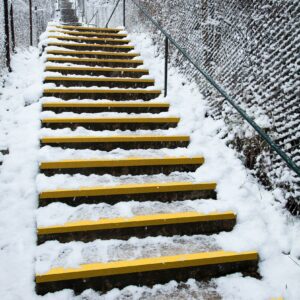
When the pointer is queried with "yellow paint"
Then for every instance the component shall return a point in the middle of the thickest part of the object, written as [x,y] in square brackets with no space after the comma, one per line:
[88,28]
[125,162]
[125,61]
[121,35]
[96,79]
[137,221]
[90,45]
[57,68]
[146,264]
[111,120]
[103,104]
[129,189]
[88,39]
[93,53]
[101,91]
[116,139]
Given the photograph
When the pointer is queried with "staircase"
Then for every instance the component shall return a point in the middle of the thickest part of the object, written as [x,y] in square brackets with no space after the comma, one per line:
[122,89]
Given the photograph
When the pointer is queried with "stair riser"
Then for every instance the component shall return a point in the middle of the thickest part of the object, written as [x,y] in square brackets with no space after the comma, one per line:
[111,126]
[126,146]
[136,74]
[95,47]
[85,41]
[192,228]
[98,56]
[150,278]
[135,110]
[91,34]
[119,171]
[99,64]
[115,84]
[91,29]
[98,96]
[113,199]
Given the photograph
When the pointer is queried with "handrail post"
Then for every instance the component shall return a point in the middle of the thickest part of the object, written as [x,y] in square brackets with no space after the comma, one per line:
[166,65]
[6,35]
[12,28]
[30,22]
[124,13]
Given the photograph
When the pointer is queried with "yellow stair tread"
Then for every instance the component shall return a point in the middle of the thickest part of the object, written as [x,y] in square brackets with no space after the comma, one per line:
[128,189]
[115,139]
[95,60]
[93,53]
[101,91]
[100,69]
[85,28]
[87,38]
[112,120]
[99,79]
[146,264]
[89,33]
[120,162]
[102,104]
[90,45]
[137,221]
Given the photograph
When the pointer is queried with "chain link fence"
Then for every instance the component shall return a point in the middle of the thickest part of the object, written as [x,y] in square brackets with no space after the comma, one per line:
[20,30]
[251,49]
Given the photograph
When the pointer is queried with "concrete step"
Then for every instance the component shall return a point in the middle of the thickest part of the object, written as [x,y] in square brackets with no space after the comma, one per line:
[105,106]
[147,271]
[109,143]
[125,166]
[99,71]
[110,82]
[168,224]
[109,94]
[166,192]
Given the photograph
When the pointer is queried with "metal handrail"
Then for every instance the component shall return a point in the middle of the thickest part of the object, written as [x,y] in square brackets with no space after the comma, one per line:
[112,13]
[245,116]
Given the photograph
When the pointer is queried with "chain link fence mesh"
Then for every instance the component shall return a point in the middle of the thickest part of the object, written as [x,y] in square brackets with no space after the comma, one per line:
[251,49]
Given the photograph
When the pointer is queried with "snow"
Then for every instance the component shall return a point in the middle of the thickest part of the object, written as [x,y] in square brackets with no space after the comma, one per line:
[262,223]
[19,125]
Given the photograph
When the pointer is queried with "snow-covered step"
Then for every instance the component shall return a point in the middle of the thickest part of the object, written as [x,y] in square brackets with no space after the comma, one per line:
[133,166]
[97,71]
[106,106]
[85,28]
[147,271]
[90,33]
[168,191]
[83,46]
[112,123]
[90,40]
[109,143]
[112,82]
[69,81]
[109,94]
[95,54]
[185,223]
[127,63]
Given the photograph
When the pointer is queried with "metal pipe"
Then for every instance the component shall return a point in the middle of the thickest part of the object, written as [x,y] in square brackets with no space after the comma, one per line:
[6,35]
[12,28]
[166,65]
[30,22]
[112,13]
[124,13]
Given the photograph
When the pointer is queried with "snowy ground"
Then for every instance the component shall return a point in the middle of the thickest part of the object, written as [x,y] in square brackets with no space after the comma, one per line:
[263,224]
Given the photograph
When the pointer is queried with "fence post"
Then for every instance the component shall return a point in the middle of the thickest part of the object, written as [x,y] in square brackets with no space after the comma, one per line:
[124,13]
[12,28]
[6,34]
[166,65]
[30,22]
